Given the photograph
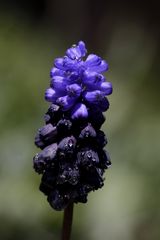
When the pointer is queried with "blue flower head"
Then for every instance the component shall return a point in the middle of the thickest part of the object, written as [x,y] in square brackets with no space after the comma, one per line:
[77,83]
[72,160]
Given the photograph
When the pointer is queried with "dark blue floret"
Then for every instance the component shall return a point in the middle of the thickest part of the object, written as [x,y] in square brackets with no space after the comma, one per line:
[46,158]
[53,114]
[105,159]
[72,160]
[48,181]
[48,132]
[101,139]
[46,135]
[94,178]
[58,199]
[69,174]
[87,158]
[66,148]
[96,117]
[64,127]
[88,132]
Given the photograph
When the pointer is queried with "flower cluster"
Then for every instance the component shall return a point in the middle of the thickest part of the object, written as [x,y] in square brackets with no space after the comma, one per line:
[73,160]
[77,84]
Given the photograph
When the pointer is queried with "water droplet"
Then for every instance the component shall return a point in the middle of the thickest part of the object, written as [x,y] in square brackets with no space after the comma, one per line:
[70,143]
[89,155]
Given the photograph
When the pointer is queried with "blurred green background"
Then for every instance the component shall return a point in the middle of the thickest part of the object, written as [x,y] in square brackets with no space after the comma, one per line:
[127,35]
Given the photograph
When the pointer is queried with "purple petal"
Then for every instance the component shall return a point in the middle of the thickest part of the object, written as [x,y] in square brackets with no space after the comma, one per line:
[73,76]
[50,95]
[102,67]
[94,96]
[76,51]
[69,64]
[56,72]
[59,63]
[66,102]
[74,90]
[65,64]
[59,83]
[82,48]
[106,87]
[79,111]
[73,52]
[92,60]
[90,78]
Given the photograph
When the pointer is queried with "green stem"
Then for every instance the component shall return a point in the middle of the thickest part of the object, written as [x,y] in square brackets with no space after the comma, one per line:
[67,222]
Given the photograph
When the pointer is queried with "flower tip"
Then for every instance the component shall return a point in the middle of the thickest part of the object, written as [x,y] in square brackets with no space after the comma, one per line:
[77,51]
[81,43]
[82,48]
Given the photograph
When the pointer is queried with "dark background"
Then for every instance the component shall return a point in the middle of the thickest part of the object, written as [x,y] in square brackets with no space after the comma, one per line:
[127,35]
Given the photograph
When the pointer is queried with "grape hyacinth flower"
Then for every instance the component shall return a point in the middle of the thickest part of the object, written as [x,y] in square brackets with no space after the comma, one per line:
[73,159]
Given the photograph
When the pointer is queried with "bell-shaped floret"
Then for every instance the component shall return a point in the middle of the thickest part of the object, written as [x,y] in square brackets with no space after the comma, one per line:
[79,111]
[66,102]
[77,51]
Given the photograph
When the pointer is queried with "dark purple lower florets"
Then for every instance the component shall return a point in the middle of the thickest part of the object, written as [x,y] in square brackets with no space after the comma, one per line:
[72,160]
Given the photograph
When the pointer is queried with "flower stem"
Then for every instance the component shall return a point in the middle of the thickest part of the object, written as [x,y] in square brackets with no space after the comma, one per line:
[67,222]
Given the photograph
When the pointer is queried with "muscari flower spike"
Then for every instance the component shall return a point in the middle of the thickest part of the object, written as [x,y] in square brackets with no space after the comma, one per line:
[73,160]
